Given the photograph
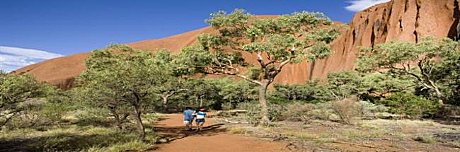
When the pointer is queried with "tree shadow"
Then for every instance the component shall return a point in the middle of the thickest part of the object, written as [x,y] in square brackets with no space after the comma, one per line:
[447,121]
[179,132]
[107,123]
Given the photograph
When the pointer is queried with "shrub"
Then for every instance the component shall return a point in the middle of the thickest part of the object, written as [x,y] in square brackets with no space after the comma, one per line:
[253,112]
[298,112]
[348,110]
[411,105]
[311,91]
[371,110]
[427,139]
[322,111]
[32,115]
[275,112]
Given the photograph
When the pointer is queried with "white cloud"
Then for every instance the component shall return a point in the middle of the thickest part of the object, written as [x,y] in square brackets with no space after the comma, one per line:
[359,5]
[12,58]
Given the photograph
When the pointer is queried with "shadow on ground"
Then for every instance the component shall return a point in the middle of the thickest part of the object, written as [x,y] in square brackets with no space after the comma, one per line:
[179,132]
[69,141]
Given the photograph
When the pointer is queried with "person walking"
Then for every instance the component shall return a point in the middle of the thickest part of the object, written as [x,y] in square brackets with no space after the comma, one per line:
[200,118]
[188,118]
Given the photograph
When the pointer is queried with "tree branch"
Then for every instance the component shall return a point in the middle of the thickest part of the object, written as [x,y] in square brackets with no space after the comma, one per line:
[248,79]
[260,60]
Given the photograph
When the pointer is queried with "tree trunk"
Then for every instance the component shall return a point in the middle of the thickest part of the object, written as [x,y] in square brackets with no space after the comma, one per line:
[263,102]
[165,103]
[140,125]
[201,101]
[118,120]
[437,91]
[439,95]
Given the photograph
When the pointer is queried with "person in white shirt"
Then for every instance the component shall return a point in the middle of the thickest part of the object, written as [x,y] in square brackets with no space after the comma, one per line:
[200,118]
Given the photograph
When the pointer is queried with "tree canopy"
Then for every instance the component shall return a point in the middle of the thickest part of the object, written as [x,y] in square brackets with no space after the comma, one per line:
[123,77]
[432,63]
[275,41]
[15,92]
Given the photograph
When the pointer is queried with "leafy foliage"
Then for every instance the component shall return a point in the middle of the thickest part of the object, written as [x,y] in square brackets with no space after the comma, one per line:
[372,86]
[120,77]
[234,93]
[18,93]
[432,63]
[275,41]
[311,91]
[410,104]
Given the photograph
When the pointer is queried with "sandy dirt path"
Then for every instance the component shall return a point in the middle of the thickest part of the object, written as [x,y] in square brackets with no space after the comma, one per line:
[213,138]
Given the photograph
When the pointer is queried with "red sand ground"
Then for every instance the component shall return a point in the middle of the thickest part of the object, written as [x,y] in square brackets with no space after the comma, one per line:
[212,139]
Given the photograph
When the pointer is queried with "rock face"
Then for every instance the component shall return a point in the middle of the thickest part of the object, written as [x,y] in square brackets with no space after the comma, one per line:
[406,20]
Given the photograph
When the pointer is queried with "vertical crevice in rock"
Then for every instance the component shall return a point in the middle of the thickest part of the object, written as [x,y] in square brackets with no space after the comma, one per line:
[385,31]
[312,68]
[384,13]
[406,6]
[454,31]
[417,17]
[373,36]
[401,25]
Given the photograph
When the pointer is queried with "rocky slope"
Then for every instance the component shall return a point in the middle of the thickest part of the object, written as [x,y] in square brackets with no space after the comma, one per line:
[407,20]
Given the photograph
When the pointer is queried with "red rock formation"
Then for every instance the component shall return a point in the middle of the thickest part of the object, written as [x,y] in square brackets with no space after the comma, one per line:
[407,20]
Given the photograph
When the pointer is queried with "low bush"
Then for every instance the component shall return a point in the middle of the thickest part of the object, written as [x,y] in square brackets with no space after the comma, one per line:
[298,112]
[348,110]
[410,105]
[252,116]
[253,112]
[372,111]
[323,111]
[311,92]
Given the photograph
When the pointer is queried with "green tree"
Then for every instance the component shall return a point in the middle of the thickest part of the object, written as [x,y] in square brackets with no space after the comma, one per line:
[344,84]
[173,82]
[124,77]
[367,86]
[431,63]
[275,42]
[311,91]
[233,92]
[203,92]
[97,95]
[16,93]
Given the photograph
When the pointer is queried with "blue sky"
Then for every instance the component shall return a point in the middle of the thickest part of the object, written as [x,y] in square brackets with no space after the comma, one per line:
[70,26]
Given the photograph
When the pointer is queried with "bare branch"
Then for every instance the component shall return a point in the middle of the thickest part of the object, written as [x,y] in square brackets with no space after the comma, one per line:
[282,64]
[260,59]
[249,79]
[223,71]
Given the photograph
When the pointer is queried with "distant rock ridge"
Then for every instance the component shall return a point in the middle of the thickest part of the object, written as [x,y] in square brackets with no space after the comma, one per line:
[406,20]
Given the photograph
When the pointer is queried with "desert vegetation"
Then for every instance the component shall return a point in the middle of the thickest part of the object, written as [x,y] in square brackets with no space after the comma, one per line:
[120,96]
